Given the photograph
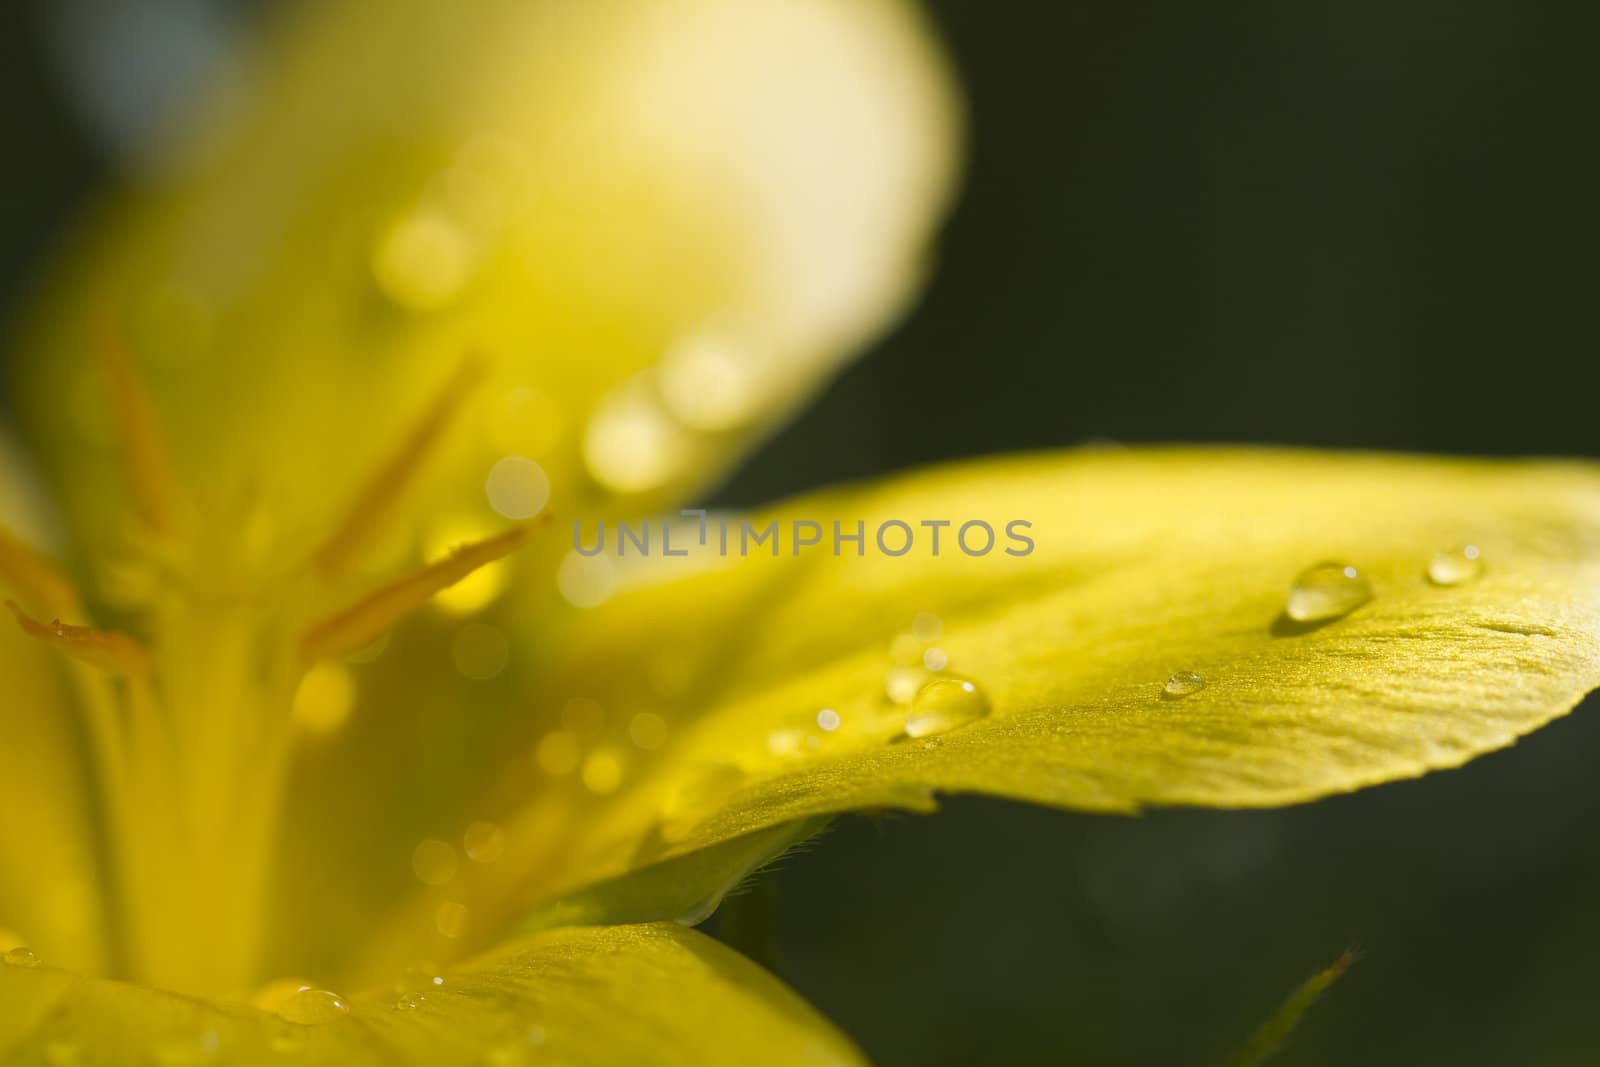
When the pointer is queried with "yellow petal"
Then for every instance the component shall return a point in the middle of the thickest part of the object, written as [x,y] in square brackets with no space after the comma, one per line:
[658,224]
[621,994]
[786,672]
[48,894]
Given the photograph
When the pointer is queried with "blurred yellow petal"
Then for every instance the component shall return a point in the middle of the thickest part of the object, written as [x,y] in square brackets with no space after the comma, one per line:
[49,896]
[1147,650]
[621,994]
[658,225]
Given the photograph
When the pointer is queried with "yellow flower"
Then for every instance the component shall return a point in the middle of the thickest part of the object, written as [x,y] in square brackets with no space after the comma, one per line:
[308,697]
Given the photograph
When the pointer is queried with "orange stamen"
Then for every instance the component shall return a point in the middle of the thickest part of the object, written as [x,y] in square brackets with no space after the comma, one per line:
[112,652]
[378,497]
[35,577]
[143,450]
[365,621]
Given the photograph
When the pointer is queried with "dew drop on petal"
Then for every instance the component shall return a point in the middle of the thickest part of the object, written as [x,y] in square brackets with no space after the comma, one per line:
[517,487]
[484,842]
[1182,684]
[935,659]
[828,719]
[946,704]
[1327,591]
[450,918]
[433,861]
[21,956]
[313,1007]
[902,684]
[1455,567]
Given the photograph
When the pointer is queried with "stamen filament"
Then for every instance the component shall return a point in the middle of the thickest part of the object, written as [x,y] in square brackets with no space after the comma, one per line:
[366,620]
[143,448]
[35,576]
[112,652]
[377,499]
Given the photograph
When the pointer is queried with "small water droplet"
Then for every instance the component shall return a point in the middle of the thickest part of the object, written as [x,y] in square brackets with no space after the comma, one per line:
[935,659]
[450,919]
[1182,684]
[410,1002]
[517,487]
[484,842]
[586,581]
[945,704]
[1456,567]
[828,719]
[1327,591]
[22,956]
[314,1007]
[902,684]
[433,861]
[710,382]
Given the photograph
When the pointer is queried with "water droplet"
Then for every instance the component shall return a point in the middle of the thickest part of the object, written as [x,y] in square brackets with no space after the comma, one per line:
[484,842]
[423,261]
[1455,567]
[903,683]
[697,798]
[450,918]
[935,659]
[558,753]
[22,956]
[927,627]
[323,700]
[945,704]
[314,1007]
[1327,591]
[480,651]
[1183,683]
[828,719]
[517,487]
[631,444]
[410,1002]
[433,861]
[602,772]
[648,730]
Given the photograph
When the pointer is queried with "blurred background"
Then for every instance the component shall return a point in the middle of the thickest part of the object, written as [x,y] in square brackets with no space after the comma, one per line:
[1364,225]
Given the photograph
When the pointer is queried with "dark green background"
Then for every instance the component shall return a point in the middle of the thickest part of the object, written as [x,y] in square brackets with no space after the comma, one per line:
[1369,224]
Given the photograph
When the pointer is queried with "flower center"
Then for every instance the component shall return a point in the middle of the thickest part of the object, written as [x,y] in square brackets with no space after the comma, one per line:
[190,721]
